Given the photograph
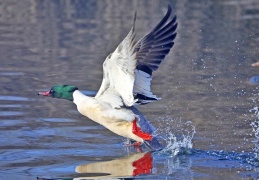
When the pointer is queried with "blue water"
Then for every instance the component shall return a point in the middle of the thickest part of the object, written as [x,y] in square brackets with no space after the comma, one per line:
[207,118]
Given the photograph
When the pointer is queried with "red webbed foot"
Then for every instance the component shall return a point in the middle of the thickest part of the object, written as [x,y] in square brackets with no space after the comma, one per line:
[137,131]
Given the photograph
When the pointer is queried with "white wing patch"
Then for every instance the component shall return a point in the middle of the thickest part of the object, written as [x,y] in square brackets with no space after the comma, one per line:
[142,84]
[111,97]
[119,73]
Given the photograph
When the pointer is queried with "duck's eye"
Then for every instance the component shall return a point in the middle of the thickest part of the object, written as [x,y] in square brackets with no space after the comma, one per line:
[51,91]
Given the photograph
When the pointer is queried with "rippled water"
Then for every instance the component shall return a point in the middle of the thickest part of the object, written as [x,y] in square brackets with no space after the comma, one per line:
[208,117]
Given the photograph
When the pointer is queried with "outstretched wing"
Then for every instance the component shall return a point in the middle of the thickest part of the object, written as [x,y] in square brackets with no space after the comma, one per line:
[150,52]
[119,73]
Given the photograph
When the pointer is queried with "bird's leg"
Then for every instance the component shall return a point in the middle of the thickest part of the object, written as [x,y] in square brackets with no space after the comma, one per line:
[136,145]
[130,143]
[137,131]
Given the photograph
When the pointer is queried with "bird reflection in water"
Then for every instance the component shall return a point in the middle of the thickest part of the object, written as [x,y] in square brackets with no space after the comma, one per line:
[125,167]
[133,165]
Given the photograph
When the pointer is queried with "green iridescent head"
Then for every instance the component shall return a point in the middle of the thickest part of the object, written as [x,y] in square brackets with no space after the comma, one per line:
[60,91]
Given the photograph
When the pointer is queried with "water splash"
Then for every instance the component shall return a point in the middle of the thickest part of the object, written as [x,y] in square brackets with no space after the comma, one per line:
[176,146]
[178,136]
[255,127]
[255,130]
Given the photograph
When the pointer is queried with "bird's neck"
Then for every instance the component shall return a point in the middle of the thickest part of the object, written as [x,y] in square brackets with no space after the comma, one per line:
[79,97]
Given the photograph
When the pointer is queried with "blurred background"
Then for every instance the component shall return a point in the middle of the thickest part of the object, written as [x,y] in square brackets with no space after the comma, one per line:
[208,87]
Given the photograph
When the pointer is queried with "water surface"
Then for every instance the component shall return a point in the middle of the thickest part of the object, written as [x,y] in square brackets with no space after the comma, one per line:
[207,117]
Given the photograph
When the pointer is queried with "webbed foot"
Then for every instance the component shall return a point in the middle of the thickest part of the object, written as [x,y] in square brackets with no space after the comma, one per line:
[137,131]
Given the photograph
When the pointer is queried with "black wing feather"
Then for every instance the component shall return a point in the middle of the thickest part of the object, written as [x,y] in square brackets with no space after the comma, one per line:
[153,47]
[150,52]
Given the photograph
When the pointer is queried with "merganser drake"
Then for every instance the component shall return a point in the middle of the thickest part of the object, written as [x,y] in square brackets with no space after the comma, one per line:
[127,75]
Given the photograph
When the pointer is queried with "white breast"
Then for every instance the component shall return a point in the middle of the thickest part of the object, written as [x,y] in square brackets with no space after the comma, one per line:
[96,109]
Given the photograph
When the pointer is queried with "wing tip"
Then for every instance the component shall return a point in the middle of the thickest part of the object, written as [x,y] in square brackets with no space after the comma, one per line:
[134,20]
[169,7]
[145,99]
